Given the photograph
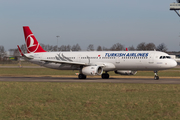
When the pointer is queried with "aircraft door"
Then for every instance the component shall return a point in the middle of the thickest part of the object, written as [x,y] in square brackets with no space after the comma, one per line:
[151,58]
[78,58]
[117,60]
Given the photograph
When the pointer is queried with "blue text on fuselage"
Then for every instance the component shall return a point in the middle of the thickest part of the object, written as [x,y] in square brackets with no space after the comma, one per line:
[126,54]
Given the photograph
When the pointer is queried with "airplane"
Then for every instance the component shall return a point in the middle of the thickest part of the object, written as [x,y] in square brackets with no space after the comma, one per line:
[96,62]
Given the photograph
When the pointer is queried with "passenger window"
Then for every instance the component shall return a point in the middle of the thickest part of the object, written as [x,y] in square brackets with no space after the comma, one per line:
[164,57]
[161,57]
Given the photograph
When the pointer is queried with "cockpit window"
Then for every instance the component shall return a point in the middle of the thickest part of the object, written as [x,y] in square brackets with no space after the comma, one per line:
[168,57]
[164,57]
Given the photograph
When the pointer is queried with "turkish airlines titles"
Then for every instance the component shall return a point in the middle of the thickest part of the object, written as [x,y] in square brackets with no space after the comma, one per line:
[126,54]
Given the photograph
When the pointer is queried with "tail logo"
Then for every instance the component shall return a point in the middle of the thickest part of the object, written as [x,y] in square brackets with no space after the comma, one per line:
[31,43]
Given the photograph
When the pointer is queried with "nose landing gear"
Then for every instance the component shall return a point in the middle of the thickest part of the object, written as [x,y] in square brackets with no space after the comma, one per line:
[156,77]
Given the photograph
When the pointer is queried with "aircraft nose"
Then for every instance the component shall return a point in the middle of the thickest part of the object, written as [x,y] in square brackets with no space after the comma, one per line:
[173,64]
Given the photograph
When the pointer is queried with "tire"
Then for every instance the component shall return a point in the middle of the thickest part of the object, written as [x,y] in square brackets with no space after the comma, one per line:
[81,76]
[156,77]
[84,76]
[105,76]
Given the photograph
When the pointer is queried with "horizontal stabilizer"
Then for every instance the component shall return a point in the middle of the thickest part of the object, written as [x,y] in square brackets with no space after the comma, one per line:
[22,54]
[20,50]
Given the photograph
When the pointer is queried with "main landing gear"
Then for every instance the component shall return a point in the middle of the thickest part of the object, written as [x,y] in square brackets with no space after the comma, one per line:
[82,76]
[156,77]
[105,76]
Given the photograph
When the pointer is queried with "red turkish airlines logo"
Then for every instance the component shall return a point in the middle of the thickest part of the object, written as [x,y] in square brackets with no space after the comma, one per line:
[31,43]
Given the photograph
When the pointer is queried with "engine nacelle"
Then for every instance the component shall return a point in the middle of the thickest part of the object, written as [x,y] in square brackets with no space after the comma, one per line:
[92,70]
[125,72]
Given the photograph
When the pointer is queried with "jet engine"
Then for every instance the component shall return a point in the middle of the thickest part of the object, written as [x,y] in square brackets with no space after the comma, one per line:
[92,70]
[125,72]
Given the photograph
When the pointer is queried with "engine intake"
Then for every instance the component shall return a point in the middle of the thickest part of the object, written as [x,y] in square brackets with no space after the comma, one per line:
[125,72]
[92,70]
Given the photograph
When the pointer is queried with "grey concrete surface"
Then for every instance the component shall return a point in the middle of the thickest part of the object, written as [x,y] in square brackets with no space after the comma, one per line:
[93,80]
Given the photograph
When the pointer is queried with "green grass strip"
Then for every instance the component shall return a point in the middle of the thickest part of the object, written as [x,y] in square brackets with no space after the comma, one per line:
[88,101]
[47,71]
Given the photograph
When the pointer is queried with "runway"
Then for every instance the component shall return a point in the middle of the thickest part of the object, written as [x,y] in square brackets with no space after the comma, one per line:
[94,80]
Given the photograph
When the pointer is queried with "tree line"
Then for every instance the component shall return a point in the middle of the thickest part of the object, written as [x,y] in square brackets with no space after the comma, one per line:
[115,47]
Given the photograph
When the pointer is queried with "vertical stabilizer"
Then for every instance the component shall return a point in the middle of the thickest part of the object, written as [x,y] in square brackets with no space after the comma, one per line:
[32,44]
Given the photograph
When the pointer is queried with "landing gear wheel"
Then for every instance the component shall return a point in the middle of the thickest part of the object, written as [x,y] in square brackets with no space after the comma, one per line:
[81,76]
[105,76]
[156,77]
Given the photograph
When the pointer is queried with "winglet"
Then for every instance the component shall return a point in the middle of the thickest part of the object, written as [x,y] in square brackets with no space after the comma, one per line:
[20,51]
[126,49]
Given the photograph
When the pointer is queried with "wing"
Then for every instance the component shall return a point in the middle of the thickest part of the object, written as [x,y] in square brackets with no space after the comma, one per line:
[66,62]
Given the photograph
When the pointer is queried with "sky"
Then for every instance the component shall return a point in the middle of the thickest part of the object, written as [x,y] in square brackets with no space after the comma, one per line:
[97,22]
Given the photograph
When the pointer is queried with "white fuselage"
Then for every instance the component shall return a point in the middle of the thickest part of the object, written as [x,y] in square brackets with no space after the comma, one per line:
[109,60]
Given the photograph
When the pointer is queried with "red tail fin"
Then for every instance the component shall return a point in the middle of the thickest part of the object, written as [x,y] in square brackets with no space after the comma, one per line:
[32,44]
[126,49]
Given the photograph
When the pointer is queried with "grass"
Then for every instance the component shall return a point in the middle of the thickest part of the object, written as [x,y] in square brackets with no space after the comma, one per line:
[88,101]
[52,72]
[34,71]
[16,63]
[175,72]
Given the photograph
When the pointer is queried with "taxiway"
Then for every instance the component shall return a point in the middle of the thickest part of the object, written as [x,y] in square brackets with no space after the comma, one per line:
[95,80]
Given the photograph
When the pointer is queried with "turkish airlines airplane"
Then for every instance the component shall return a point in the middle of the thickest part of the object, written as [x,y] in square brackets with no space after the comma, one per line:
[96,62]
